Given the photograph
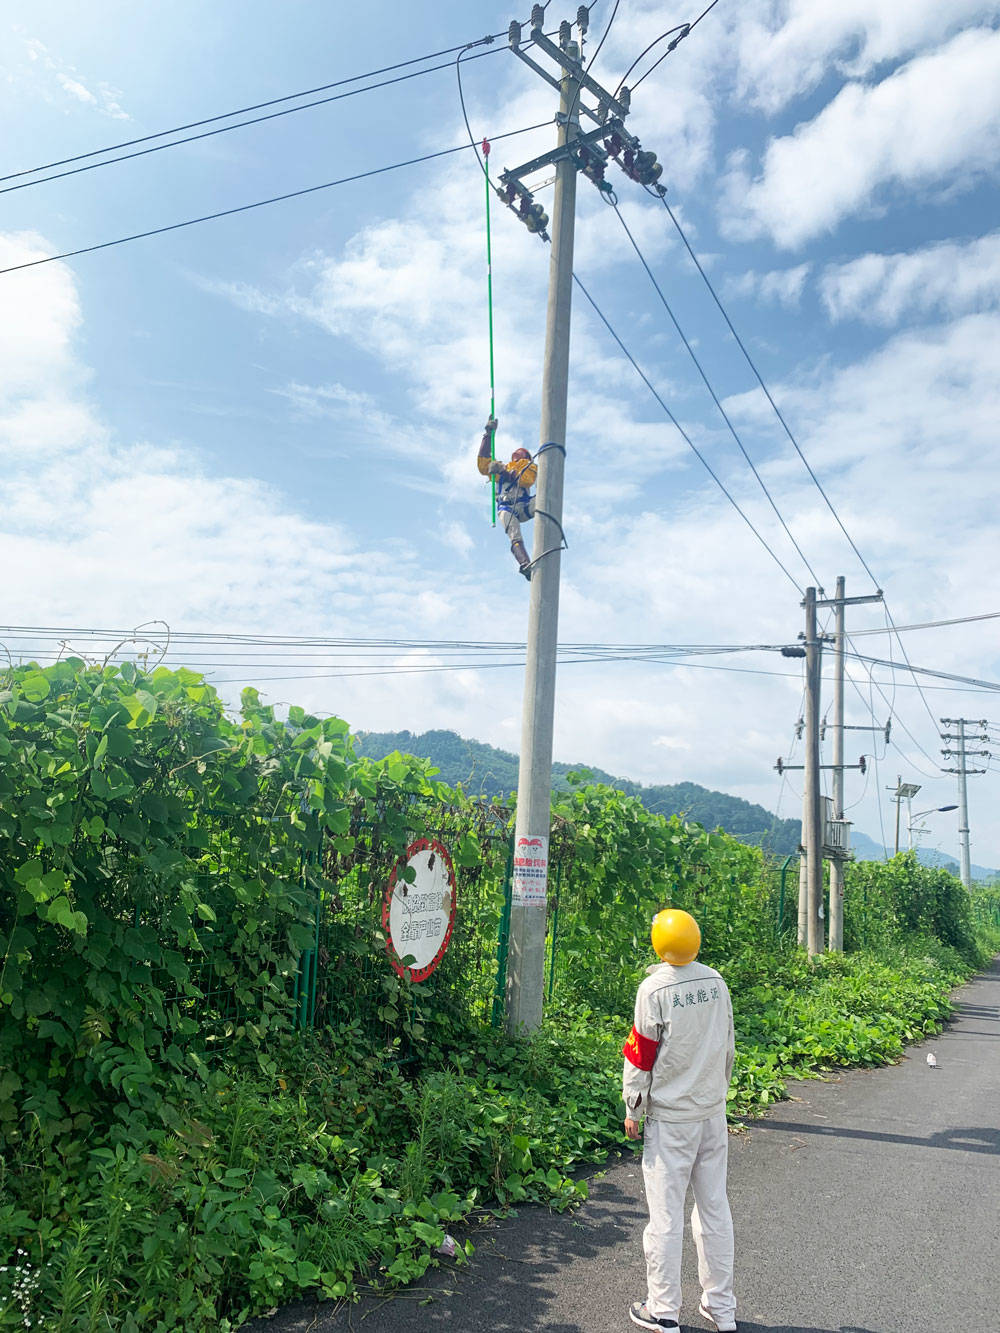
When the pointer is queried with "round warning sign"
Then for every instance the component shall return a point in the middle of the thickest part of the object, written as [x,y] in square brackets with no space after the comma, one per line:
[419,916]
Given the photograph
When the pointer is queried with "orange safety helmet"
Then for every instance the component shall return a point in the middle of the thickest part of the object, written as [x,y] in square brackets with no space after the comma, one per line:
[676,936]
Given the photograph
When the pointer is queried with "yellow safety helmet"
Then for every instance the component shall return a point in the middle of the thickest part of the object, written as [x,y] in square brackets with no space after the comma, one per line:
[676,937]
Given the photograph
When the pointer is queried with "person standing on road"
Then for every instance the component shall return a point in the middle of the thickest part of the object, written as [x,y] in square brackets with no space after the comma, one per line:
[678,1063]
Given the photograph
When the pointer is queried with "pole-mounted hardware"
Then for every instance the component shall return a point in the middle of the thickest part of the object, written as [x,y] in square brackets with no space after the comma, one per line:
[607,105]
[583,143]
[636,162]
[582,151]
[521,203]
[590,153]
[784,767]
[886,731]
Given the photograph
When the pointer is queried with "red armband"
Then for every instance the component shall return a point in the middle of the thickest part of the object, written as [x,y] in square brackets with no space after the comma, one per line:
[640,1051]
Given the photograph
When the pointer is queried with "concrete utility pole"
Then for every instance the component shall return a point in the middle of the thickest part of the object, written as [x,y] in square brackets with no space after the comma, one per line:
[815,840]
[526,956]
[811,798]
[963,808]
[963,771]
[839,603]
[836,936]
[802,935]
[590,153]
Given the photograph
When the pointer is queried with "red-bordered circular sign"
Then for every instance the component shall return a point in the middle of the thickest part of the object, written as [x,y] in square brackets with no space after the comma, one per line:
[418,918]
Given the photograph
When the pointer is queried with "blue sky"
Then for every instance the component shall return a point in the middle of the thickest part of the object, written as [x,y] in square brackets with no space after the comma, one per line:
[269,422]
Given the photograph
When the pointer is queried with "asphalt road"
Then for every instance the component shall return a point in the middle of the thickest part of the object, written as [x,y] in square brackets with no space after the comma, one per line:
[866,1204]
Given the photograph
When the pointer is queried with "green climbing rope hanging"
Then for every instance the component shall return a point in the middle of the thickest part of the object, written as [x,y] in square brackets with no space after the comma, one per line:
[489,303]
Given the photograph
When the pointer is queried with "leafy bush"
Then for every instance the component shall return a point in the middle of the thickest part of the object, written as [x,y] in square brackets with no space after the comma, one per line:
[151,895]
[335,1170]
[885,903]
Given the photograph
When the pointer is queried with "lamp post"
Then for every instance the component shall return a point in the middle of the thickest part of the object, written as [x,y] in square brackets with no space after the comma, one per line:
[936,810]
[903,791]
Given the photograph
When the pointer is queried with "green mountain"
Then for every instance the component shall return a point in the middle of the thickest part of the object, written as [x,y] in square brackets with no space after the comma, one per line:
[486,771]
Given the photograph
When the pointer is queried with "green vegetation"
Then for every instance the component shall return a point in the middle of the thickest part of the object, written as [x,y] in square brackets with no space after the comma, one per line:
[192,1131]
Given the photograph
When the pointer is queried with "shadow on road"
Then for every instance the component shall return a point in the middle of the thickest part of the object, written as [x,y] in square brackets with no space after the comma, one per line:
[981,1139]
[746,1327]
[977,1010]
[511,1284]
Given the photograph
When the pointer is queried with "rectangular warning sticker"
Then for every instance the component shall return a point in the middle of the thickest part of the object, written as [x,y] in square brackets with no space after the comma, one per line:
[531,868]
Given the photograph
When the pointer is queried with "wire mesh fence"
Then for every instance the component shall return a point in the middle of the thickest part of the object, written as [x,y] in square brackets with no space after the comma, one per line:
[347,976]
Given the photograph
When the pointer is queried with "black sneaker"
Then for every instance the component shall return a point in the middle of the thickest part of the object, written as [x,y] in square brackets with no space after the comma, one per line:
[639,1314]
[526,571]
[722,1328]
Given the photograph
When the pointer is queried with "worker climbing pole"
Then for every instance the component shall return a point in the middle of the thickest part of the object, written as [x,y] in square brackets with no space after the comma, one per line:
[510,482]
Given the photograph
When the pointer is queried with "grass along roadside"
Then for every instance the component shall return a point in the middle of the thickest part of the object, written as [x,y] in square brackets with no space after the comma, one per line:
[332,1168]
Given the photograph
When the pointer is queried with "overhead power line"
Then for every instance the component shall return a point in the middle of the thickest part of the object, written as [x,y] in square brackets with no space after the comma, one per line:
[256,106]
[683,29]
[661,195]
[715,397]
[760,380]
[262,203]
[683,433]
[238,125]
[927,624]
[655,42]
[59,632]
[324,658]
[927,671]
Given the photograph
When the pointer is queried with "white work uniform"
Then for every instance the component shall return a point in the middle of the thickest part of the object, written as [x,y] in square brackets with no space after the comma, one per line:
[678,1063]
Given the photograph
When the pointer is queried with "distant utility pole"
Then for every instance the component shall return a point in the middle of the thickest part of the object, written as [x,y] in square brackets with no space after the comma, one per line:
[836,923]
[526,958]
[963,771]
[839,853]
[814,817]
[811,867]
[816,838]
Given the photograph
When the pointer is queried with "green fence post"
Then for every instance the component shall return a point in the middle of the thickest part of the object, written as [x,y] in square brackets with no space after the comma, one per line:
[555,930]
[503,938]
[781,893]
[314,969]
[305,967]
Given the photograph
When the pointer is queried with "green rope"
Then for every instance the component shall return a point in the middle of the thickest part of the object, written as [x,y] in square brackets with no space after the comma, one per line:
[489,302]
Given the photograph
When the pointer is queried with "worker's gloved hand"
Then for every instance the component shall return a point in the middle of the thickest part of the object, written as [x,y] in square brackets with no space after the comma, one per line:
[491,425]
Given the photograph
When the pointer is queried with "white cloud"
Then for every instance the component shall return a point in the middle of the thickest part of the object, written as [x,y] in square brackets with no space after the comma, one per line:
[786,49]
[76,89]
[100,531]
[780,286]
[918,129]
[456,537]
[38,342]
[410,292]
[101,96]
[950,278]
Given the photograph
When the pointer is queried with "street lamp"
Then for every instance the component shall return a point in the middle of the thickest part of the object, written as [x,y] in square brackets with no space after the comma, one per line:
[936,810]
[904,791]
